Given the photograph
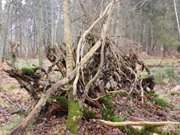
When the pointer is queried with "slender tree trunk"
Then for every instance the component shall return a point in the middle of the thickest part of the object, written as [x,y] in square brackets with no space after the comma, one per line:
[74,108]
[52,25]
[0,14]
[177,18]
[5,33]
[0,26]
[40,31]
[152,39]
[68,37]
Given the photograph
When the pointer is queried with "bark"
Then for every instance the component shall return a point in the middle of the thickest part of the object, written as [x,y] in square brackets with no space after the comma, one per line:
[5,32]
[139,123]
[0,25]
[74,108]
[68,38]
[40,32]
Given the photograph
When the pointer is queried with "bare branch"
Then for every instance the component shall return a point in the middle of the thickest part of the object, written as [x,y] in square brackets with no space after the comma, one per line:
[139,123]
[103,37]
[81,41]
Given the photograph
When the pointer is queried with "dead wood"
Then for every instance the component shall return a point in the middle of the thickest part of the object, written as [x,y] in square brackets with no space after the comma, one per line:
[100,69]
[138,123]
[34,113]
[118,72]
[83,37]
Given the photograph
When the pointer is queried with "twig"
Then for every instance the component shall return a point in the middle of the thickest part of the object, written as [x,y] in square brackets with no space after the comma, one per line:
[109,93]
[142,92]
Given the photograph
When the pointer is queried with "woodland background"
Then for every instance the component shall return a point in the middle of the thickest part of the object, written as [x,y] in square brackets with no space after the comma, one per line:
[37,24]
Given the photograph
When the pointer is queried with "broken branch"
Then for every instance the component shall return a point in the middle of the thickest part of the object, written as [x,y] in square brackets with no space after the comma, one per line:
[139,123]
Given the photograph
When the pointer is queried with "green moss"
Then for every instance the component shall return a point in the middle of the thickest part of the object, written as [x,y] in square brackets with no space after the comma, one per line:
[87,114]
[107,113]
[61,100]
[74,115]
[107,110]
[161,102]
[28,70]
[107,101]
[117,118]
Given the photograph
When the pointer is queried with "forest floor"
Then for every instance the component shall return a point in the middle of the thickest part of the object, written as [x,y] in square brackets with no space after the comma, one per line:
[13,99]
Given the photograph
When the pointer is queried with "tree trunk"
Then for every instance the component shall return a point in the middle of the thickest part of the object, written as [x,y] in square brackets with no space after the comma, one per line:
[177,18]
[40,31]
[5,33]
[74,107]
[0,25]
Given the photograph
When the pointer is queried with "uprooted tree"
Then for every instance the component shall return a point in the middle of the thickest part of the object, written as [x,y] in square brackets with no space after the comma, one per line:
[93,69]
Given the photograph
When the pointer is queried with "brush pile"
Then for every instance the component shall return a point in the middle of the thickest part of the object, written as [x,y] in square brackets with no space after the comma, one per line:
[110,69]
